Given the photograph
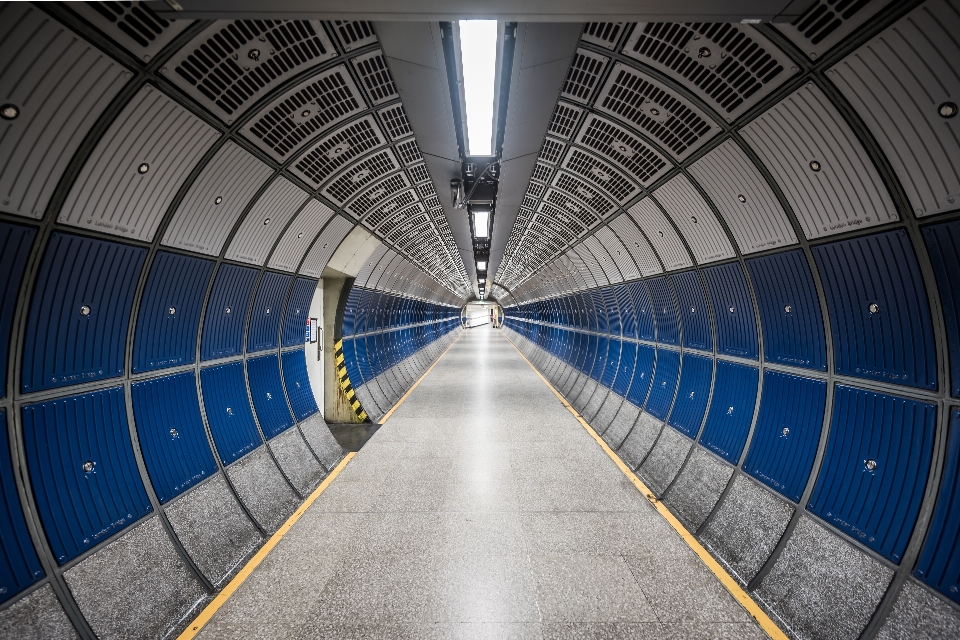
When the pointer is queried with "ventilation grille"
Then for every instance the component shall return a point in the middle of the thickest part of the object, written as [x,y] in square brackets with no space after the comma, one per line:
[542,172]
[433,203]
[337,149]
[583,75]
[720,62]
[585,192]
[384,211]
[228,66]
[413,227]
[600,174]
[564,120]
[375,77]
[529,202]
[561,207]
[605,34]
[535,190]
[354,34]
[556,234]
[409,152]
[395,120]
[426,190]
[551,150]
[625,149]
[133,25]
[418,173]
[827,22]
[303,112]
[365,172]
[391,221]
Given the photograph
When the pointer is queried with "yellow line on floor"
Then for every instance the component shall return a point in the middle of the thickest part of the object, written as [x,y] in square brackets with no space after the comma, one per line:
[725,578]
[419,380]
[255,561]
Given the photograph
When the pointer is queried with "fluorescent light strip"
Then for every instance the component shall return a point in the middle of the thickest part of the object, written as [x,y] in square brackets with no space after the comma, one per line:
[481,222]
[478,55]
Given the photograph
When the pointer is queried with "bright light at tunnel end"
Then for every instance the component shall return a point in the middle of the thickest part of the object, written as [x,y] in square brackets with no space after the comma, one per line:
[478,54]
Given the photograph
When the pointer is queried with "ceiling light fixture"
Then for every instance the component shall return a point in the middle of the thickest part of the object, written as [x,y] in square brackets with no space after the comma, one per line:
[481,265]
[478,55]
[481,224]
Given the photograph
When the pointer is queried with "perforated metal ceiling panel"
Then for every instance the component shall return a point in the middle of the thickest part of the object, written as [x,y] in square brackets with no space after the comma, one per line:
[232,64]
[619,252]
[899,82]
[584,75]
[827,22]
[134,25]
[265,222]
[818,162]
[638,246]
[649,106]
[664,238]
[394,119]
[744,199]
[59,85]
[730,66]
[375,77]
[353,34]
[605,34]
[695,219]
[362,174]
[298,236]
[629,154]
[293,119]
[216,200]
[334,151]
[137,168]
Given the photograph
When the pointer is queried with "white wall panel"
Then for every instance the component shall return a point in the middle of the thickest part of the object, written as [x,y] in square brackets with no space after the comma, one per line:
[664,238]
[696,221]
[744,199]
[265,222]
[298,236]
[619,252]
[610,269]
[321,251]
[823,170]
[137,167]
[638,246]
[216,200]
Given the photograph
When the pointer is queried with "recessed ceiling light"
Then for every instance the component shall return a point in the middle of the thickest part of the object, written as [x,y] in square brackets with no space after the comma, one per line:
[478,56]
[9,111]
[143,168]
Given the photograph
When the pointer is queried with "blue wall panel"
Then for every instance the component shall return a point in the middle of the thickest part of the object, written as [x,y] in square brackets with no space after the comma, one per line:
[731,410]
[939,564]
[628,320]
[19,566]
[354,313]
[732,311]
[228,411]
[266,389]
[664,383]
[15,244]
[879,314]
[613,311]
[296,315]
[169,312]
[789,310]
[77,325]
[661,299]
[943,244]
[788,429]
[603,346]
[877,506]
[264,330]
[298,385]
[643,310]
[642,375]
[694,311]
[612,363]
[170,430]
[692,394]
[84,474]
[226,313]
[628,361]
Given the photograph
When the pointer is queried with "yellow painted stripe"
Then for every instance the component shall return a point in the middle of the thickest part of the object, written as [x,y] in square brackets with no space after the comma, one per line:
[222,597]
[337,345]
[725,578]
[340,358]
[425,373]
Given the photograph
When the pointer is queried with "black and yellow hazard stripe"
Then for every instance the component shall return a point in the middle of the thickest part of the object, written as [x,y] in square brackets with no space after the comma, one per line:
[345,381]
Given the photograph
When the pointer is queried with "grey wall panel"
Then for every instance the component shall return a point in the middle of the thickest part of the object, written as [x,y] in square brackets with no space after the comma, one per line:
[619,252]
[60,84]
[298,236]
[133,25]
[638,246]
[695,219]
[37,616]
[818,162]
[607,263]
[897,82]
[265,222]
[827,22]
[648,216]
[744,199]
[136,169]
[324,247]
[216,200]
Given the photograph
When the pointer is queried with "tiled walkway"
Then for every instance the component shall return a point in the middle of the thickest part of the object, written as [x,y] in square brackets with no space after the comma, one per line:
[482,509]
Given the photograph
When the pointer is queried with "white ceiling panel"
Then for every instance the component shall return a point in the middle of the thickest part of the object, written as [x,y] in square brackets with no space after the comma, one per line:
[619,252]
[607,263]
[299,235]
[696,221]
[265,222]
[664,238]
[638,246]
[133,25]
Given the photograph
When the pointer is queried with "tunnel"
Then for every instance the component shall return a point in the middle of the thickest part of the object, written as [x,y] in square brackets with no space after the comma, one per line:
[649,313]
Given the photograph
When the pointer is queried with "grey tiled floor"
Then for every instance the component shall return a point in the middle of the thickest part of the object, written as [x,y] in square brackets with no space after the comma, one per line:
[482,509]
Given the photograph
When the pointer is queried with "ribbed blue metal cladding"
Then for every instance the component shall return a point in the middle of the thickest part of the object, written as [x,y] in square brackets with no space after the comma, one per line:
[694,311]
[642,309]
[732,311]
[171,435]
[264,330]
[613,311]
[612,363]
[227,312]
[169,312]
[15,245]
[83,471]
[664,383]
[789,310]
[692,394]
[788,429]
[363,363]
[939,564]
[297,384]
[876,506]
[354,313]
[296,315]
[598,311]
[19,566]
[628,320]
[77,324]
[943,244]
[603,347]
[731,410]
[628,361]
[642,375]
[266,389]
[661,299]
[228,411]
[879,313]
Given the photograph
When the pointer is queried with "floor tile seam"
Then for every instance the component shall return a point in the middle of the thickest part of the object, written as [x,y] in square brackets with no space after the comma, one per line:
[409,391]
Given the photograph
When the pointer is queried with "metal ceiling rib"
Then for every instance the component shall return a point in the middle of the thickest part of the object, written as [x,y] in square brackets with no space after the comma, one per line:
[696,221]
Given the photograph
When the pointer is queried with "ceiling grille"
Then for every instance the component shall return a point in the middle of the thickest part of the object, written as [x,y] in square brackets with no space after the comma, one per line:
[337,149]
[542,172]
[583,75]
[433,202]
[625,149]
[357,177]
[600,174]
[354,34]
[303,112]
[231,64]
[535,189]
[384,211]
[394,118]
[556,235]
[605,34]
[827,22]
[377,194]
[551,150]
[409,152]
[132,24]
[584,212]
[391,220]
[579,189]
[426,190]
[418,173]
[564,120]
[375,77]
